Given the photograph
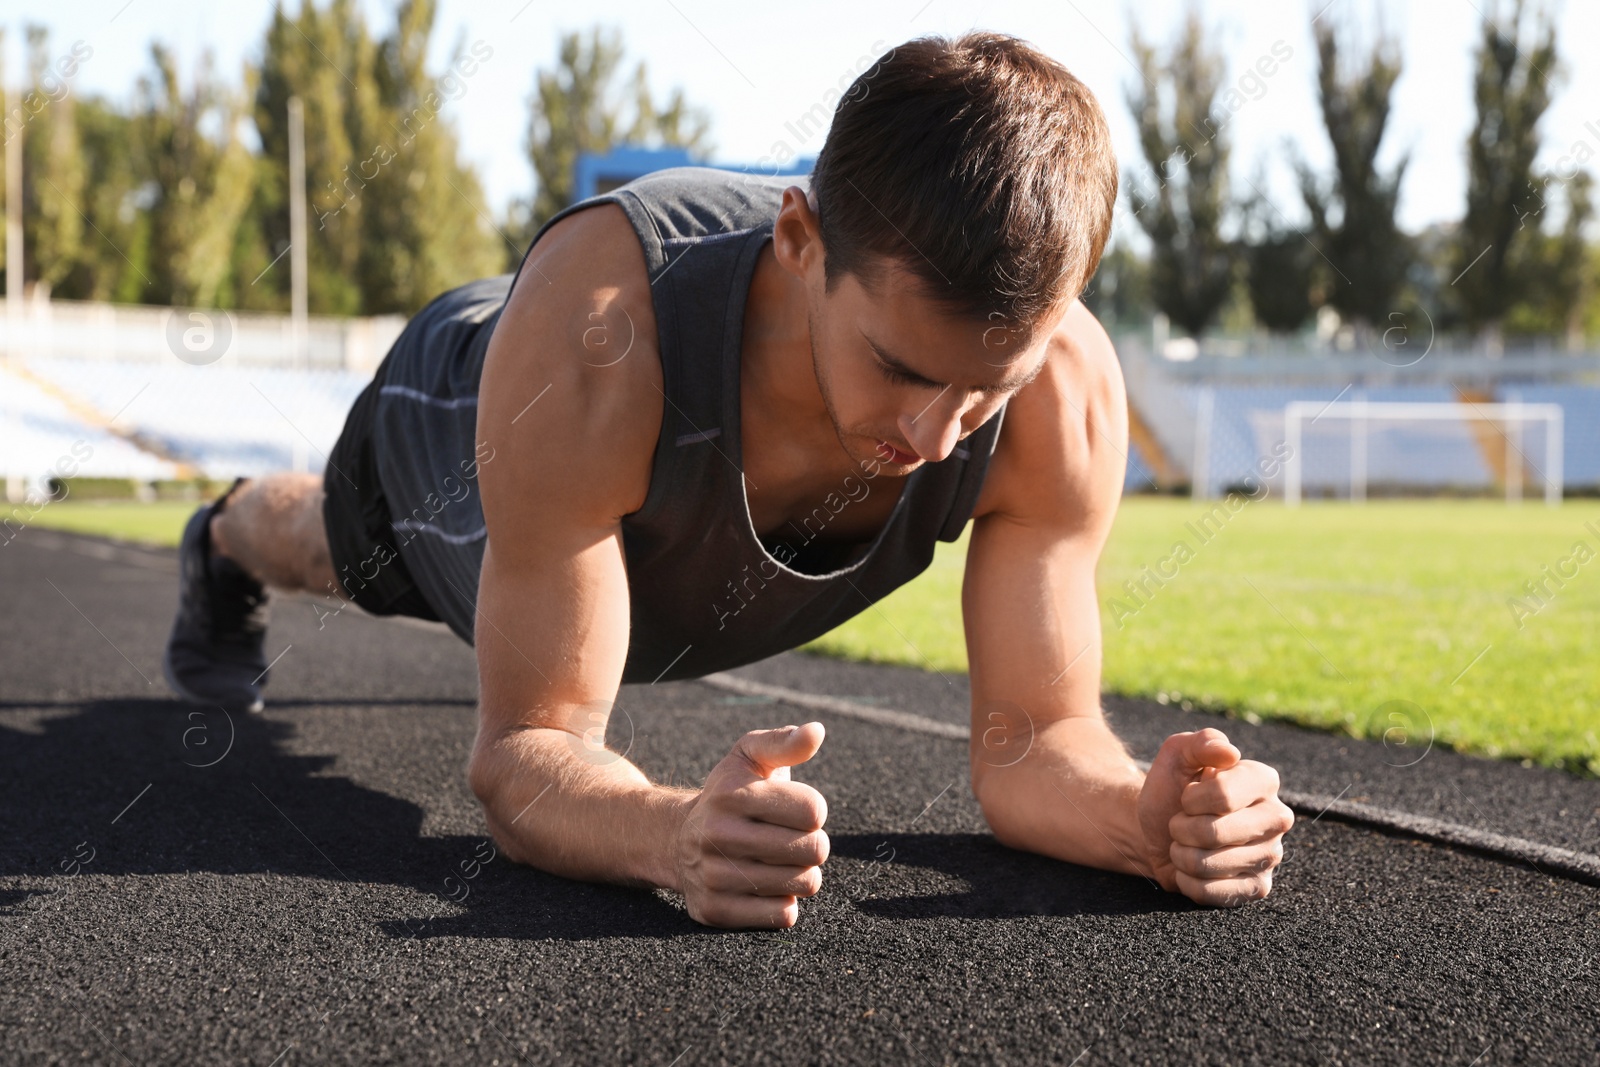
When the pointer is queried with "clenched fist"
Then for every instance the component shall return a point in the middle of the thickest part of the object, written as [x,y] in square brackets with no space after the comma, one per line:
[752,841]
[1212,822]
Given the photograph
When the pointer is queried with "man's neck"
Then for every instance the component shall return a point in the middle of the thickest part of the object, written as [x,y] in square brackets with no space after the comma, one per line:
[780,382]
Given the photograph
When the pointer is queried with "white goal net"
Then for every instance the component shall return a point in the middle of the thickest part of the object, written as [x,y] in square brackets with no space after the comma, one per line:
[1354,448]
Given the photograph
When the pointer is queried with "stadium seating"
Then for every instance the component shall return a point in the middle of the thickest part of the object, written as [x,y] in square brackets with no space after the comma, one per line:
[1581,439]
[224,420]
[40,435]
[1247,422]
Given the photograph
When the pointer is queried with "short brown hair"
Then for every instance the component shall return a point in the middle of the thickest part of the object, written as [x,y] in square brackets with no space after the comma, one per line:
[980,164]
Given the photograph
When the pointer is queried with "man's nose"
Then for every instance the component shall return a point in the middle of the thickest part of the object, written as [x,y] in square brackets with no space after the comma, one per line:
[933,432]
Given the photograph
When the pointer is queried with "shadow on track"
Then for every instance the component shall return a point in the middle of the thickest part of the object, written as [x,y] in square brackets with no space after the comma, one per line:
[141,787]
[974,876]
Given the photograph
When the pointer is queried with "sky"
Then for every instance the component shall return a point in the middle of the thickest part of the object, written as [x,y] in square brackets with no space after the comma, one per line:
[757,68]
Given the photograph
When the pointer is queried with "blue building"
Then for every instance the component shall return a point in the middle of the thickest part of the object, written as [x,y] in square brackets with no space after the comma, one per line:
[601,172]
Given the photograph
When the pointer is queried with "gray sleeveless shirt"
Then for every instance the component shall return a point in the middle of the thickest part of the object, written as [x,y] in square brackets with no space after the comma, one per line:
[706,592]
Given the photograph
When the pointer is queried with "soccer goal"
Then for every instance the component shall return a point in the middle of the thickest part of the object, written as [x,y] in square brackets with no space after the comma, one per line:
[1421,446]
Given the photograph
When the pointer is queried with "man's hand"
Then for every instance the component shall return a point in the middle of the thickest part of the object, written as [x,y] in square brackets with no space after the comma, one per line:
[752,841]
[1213,822]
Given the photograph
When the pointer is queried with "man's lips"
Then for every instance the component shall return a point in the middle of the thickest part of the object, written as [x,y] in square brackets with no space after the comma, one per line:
[895,455]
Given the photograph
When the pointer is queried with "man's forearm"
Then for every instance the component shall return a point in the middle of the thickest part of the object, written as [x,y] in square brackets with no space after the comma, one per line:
[1074,796]
[554,807]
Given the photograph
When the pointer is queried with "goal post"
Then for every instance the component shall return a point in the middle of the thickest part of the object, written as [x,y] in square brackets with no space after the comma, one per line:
[1509,418]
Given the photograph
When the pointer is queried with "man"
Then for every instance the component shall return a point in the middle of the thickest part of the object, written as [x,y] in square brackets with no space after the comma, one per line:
[713,416]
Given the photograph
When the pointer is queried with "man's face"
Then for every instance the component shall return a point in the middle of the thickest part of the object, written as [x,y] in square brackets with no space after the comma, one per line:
[898,371]
[902,378]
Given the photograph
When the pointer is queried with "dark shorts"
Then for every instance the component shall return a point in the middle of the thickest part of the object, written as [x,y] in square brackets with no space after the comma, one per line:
[356,516]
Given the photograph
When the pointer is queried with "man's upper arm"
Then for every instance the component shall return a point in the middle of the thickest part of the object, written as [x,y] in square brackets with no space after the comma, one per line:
[571,430]
[1029,607]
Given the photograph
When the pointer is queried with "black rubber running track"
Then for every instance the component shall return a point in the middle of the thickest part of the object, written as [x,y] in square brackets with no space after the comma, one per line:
[302,886]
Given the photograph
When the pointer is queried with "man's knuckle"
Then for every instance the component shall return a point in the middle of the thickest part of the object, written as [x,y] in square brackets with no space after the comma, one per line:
[816,812]
[739,797]
[815,848]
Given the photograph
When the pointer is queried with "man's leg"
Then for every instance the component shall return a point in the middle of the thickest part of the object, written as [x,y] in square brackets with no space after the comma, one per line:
[262,532]
[272,527]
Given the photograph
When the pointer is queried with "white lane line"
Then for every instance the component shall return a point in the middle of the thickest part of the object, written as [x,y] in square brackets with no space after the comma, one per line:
[1579,866]
[902,720]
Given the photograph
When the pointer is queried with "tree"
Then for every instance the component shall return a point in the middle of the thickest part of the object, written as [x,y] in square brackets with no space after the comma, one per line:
[573,110]
[427,228]
[1571,274]
[395,218]
[1279,270]
[1512,87]
[201,184]
[113,259]
[326,58]
[1119,292]
[85,188]
[1353,220]
[1554,270]
[53,172]
[1191,265]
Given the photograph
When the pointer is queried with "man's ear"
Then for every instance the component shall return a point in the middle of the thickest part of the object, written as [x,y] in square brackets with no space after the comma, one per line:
[800,232]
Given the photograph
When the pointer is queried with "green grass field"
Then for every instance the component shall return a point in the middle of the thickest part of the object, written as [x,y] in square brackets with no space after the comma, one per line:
[1321,615]
[1390,601]
[160,523]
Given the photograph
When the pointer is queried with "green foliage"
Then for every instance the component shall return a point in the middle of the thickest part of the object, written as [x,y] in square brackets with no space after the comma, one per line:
[1119,292]
[1512,86]
[1353,217]
[55,174]
[395,217]
[427,227]
[201,183]
[1556,274]
[1279,268]
[326,58]
[575,108]
[1191,264]
[113,262]
[166,201]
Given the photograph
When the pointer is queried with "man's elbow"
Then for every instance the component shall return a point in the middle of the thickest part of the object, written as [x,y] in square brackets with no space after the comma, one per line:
[488,774]
[988,788]
[484,776]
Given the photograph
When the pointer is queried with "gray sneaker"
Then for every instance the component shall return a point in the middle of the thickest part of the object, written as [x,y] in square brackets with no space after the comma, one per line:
[216,654]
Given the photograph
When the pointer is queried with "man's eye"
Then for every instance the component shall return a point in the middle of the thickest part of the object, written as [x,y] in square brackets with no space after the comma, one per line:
[899,376]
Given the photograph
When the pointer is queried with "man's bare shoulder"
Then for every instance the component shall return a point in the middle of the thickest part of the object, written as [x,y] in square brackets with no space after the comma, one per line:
[1064,442]
[572,378]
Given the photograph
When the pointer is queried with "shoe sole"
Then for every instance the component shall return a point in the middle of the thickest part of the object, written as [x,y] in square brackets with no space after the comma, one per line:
[178,687]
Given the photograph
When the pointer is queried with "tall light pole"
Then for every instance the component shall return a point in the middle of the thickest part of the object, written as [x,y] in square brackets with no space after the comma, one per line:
[297,258]
[13,100]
